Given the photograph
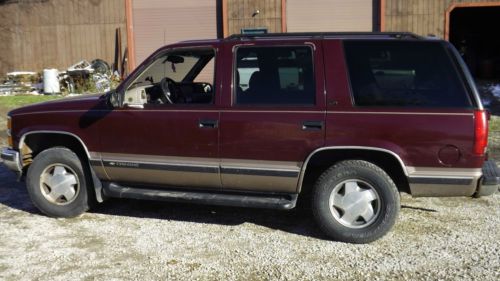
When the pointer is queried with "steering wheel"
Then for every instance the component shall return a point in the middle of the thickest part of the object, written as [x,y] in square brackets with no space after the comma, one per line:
[167,97]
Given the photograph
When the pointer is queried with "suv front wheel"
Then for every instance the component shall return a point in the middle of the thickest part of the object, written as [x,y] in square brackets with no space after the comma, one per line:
[355,201]
[57,184]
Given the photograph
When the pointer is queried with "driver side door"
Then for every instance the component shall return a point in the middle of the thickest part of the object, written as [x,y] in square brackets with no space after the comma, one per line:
[170,145]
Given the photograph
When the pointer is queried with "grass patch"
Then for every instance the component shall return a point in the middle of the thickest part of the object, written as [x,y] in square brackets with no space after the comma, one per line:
[495,124]
[11,102]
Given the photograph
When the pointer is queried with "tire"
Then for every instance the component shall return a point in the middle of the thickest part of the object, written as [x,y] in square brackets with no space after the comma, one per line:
[57,183]
[343,196]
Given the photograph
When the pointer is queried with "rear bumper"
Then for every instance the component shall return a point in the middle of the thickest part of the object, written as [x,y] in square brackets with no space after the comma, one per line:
[490,181]
[11,160]
[451,182]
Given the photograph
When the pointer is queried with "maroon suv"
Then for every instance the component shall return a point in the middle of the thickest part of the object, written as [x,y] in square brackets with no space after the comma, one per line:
[350,118]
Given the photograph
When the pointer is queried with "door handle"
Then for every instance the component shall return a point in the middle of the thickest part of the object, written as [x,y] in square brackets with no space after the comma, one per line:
[206,123]
[312,125]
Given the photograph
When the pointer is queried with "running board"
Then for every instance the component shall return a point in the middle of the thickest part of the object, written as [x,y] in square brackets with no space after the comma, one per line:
[275,201]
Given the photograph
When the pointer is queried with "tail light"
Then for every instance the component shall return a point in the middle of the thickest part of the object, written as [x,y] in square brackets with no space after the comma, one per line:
[480,132]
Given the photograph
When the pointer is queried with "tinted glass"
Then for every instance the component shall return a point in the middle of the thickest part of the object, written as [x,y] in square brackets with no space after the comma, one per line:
[412,74]
[274,76]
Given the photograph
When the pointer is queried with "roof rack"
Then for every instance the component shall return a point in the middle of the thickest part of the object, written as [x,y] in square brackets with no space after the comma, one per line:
[397,35]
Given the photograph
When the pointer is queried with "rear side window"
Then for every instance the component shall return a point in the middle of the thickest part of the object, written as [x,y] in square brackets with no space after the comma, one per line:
[410,74]
[274,76]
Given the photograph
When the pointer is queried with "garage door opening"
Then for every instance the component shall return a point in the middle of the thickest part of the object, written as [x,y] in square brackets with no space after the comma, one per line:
[474,32]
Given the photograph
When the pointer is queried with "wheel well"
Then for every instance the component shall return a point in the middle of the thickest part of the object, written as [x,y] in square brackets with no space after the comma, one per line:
[322,160]
[38,142]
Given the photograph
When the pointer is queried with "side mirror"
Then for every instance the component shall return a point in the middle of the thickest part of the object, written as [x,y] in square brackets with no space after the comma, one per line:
[115,99]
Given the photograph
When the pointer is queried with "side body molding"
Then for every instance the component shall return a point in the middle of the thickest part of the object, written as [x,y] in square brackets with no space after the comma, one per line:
[368,148]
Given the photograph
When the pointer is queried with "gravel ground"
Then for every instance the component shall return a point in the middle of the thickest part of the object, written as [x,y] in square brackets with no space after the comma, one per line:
[434,239]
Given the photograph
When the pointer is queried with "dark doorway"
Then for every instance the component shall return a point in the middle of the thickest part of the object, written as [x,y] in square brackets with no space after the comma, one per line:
[474,32]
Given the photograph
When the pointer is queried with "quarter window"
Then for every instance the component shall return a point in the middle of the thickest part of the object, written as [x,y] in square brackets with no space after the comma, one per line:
[274,76]
[409,74]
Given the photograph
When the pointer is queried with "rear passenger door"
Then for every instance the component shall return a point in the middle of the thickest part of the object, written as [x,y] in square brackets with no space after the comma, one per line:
[273,115]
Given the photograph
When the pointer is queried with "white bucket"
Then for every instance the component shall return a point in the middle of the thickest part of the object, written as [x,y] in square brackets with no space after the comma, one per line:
[51,81]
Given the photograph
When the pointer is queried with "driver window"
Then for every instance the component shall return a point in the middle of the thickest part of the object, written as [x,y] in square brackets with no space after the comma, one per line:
[176,77]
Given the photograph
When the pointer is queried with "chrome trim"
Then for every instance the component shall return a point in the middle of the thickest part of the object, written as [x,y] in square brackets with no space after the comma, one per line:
[162,167]
[95,156]
[176,109]
[270,111]
[261,164]
[21,141]
[312,44]
[97,110]
[304,167]
[443,172]
[156,159]
[233,49]
[400,113]
[11,159]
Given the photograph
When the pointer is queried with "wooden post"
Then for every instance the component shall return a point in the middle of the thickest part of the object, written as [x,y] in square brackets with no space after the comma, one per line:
[283,16]
[382,15]
[225,21]
[130,36]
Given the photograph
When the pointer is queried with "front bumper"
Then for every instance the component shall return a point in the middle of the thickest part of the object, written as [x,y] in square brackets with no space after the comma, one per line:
[490,181]
[11,159]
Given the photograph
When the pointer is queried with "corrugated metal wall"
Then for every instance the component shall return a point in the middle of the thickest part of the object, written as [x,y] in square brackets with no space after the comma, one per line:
[329,15]
[158,23]
[36,34]
[423,17]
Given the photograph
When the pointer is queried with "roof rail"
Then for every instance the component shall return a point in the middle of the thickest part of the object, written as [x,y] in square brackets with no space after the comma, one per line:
[397,35]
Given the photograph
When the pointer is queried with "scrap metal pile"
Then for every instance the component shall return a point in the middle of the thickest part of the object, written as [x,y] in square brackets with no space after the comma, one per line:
[82,77]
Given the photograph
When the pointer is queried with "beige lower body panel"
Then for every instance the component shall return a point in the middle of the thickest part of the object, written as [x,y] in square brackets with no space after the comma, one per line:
[170,178]
[160,170]
[260,183]
[228,174]
[257,175]
[443,182]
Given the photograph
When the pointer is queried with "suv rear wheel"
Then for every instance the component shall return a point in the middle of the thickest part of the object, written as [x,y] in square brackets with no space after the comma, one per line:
[355,201]
[57,184]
